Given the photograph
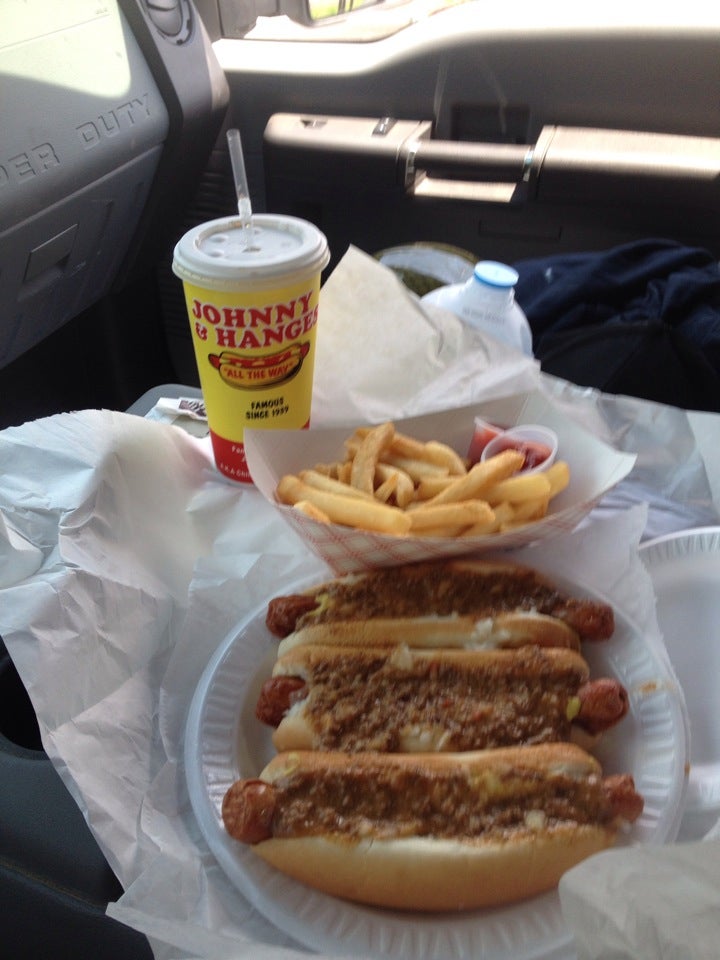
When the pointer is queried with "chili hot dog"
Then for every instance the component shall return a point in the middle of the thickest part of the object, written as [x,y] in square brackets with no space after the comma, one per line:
[431,831]
[401,700]
[473,603]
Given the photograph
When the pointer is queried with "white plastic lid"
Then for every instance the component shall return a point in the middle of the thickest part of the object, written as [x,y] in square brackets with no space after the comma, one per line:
[215,254]
[496,274]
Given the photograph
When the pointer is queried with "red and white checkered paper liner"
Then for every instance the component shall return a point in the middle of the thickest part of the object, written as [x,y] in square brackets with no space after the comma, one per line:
[595,468]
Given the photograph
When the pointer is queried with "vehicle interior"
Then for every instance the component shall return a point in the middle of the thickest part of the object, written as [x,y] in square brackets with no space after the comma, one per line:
[509,133]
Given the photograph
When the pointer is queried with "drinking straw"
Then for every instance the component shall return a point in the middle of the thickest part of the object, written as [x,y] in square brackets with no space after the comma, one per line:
[241,187]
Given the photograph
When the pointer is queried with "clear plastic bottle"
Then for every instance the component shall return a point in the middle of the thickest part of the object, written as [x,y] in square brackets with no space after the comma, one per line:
[487,301]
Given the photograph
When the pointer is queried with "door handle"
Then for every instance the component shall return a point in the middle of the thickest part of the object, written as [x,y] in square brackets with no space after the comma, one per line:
[460,160]
[572,165]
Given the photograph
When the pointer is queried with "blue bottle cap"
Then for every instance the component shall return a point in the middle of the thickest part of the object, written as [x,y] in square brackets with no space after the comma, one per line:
[496,274]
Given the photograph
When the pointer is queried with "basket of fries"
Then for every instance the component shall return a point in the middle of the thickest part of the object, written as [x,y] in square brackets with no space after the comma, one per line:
[417,489]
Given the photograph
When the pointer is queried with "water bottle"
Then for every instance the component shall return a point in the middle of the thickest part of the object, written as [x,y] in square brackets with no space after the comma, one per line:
[487,302]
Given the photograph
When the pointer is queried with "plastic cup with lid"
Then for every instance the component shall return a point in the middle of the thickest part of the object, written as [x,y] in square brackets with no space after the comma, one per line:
[252,304]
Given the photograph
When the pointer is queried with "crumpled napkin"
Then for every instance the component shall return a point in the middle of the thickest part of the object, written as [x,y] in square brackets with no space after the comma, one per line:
[18,557]
[148,558]
[646,903]
[381,355]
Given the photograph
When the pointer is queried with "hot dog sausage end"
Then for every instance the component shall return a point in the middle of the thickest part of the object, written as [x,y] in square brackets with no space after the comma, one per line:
[248,809]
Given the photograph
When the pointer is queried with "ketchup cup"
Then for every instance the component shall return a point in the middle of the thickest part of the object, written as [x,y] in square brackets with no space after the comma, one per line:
[538,443]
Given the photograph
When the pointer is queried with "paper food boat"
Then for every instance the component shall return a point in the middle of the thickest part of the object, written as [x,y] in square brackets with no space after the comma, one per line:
[595,468]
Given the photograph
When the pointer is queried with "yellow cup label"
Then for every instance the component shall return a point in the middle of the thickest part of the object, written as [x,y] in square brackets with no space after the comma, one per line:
[255,353]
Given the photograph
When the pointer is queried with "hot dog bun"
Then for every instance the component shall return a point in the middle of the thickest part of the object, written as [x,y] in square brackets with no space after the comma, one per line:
[501,631]
[497,603]
[435,832]
[395,699]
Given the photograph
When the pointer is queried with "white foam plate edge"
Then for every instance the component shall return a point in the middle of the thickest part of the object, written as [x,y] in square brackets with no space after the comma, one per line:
[703,793]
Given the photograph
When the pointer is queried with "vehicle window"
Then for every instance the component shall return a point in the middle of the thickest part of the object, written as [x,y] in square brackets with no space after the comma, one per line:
[368,20]
[326,20]
[322,9]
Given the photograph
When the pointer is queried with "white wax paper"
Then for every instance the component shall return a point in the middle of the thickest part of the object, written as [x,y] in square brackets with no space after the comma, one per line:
[646,904]
[380,354]
[148,557]
[18,557]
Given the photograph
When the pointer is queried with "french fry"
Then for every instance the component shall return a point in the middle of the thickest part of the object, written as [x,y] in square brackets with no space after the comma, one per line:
[366,514]
[405,489]
[481,529]
[387,488]
[504,513]
[431,486]
[372,445]
[559,476]
[404,446]
[433,452]
[310,510]
[390,483]
[344,470]
[322,481]
[444,455]
[418,470]
[482,476]
[351,444]
[458,515]
[528,510]
[408,448]
[529,486]
[329,469]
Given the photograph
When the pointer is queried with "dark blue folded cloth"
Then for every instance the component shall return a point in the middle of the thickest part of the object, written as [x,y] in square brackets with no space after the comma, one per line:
[653,290]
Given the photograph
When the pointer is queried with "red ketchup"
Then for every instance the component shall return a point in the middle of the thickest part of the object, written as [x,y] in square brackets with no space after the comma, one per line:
[482,436]
[534,451]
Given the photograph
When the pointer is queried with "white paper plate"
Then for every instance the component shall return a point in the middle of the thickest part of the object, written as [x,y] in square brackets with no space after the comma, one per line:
[685,570]
[224,741]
